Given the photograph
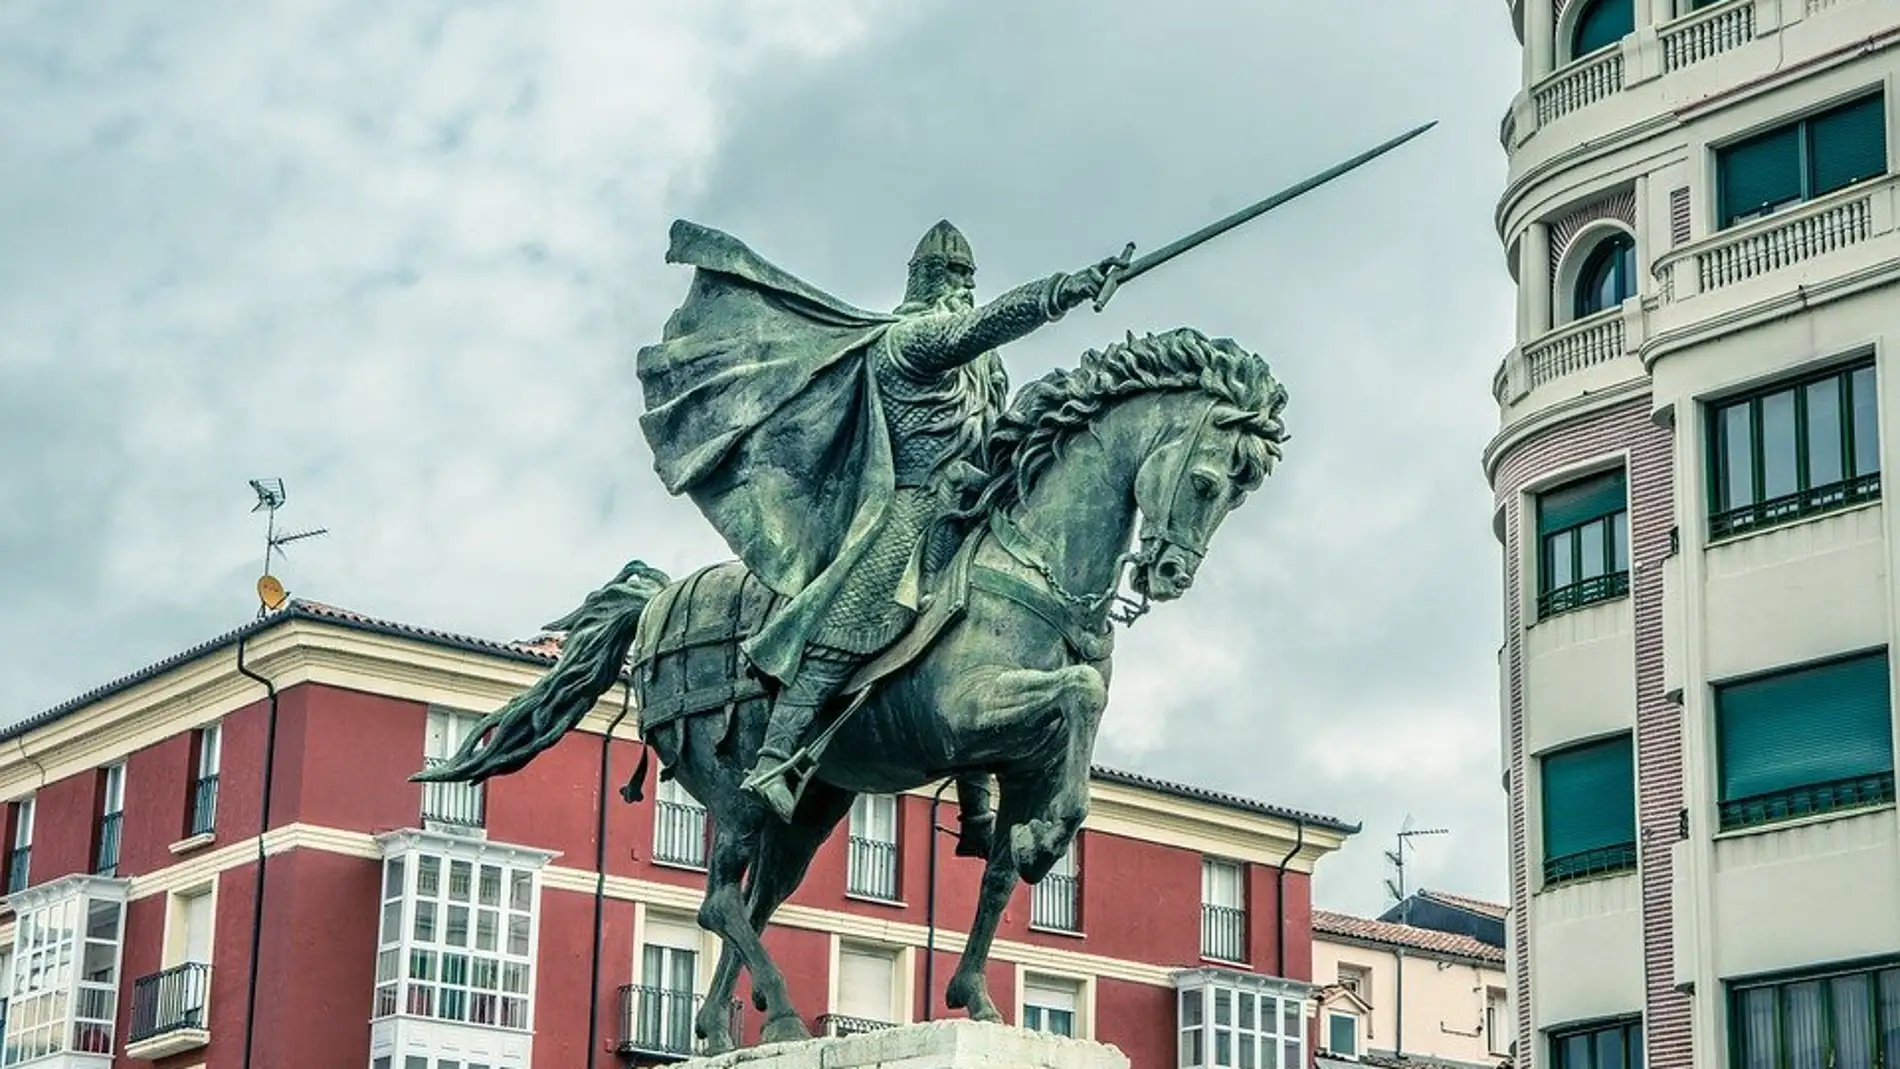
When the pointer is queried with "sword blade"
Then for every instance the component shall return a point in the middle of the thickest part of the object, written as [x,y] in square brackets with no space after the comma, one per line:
[1167,252]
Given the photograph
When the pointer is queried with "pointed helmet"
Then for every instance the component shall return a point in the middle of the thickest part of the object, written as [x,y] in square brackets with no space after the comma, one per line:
[942,247]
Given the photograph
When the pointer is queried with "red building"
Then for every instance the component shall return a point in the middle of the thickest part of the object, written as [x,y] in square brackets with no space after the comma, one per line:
[220,861]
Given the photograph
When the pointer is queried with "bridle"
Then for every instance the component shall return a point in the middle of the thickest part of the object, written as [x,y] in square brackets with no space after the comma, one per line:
[1112,603]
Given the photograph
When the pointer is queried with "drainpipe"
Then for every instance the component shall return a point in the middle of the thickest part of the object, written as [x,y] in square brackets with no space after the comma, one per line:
[600,861]
[930,911]
[263,827]
[1279,896]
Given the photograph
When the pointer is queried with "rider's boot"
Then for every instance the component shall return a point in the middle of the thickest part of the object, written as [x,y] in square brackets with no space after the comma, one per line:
[818,679]
[976,821]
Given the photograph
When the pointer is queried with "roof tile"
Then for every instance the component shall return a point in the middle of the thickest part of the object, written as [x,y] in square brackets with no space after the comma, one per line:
[1326,923]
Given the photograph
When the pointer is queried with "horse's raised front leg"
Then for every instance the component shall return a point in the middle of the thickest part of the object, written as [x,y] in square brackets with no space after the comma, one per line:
[724,913]
[1040,841]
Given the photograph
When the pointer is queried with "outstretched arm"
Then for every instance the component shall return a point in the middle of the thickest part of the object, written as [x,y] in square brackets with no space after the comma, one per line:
[933,344]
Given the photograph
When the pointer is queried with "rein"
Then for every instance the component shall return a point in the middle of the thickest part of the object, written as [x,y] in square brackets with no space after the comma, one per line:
[1033,552]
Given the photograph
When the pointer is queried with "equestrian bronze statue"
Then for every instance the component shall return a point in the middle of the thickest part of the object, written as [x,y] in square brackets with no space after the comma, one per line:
[927,571]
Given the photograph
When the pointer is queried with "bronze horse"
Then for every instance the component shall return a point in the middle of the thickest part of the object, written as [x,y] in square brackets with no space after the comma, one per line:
[1169,431]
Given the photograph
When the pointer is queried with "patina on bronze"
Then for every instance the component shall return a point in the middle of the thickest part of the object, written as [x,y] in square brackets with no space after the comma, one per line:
[940,569]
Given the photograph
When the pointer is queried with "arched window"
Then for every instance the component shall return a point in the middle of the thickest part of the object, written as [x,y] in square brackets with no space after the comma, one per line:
[1601,23]
[1608,275]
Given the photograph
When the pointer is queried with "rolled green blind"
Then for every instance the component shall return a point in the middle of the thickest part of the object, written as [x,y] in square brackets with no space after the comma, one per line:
[1589,798]
[1848,144]
[1759,172]
[1805,728]
[1581,502]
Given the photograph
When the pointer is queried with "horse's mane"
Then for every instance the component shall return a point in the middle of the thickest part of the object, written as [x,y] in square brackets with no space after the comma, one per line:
[1029,436]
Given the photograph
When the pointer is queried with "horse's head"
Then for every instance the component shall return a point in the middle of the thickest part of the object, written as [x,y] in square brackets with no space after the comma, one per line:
[1217,443]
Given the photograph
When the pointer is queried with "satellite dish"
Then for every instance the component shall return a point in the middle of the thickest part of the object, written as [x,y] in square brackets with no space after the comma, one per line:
[270,592]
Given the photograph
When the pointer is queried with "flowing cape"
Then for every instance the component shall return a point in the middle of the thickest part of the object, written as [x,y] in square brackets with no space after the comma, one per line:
[761,407]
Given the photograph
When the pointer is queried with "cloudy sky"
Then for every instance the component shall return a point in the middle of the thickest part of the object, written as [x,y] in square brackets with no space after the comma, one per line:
[400,256]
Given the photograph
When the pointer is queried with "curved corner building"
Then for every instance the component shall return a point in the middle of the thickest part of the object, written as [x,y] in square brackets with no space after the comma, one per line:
[1696,692]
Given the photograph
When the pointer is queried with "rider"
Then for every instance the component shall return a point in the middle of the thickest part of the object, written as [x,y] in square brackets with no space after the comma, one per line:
[941,387]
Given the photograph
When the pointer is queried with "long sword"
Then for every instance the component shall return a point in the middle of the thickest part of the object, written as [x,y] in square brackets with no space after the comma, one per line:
[1118,274]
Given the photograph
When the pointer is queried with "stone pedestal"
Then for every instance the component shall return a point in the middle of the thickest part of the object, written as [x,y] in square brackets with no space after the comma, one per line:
[954,1044]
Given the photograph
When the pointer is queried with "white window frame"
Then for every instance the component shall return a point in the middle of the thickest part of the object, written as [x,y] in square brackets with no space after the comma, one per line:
[872,840]
[1334,1016]
[1047,902]
[903,968]
[443,733]
[23,822]
[1498,1026]
[64,959]
[1041,993]
[1257,1011]
[679,827]
[210,749]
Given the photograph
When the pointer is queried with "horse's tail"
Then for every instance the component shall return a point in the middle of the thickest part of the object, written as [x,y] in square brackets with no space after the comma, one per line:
[598,635]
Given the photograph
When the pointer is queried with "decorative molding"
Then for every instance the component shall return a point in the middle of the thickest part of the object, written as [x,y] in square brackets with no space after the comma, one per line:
[1617,207]
[194,842]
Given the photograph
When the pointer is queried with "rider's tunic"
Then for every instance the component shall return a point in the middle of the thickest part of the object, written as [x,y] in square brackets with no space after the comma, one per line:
[942,387]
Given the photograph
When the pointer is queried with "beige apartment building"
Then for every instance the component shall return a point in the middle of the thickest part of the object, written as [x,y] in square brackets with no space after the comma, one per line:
[1430,992]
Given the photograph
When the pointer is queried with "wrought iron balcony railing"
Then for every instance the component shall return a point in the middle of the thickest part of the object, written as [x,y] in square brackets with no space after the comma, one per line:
[1798,802]
[658,1021]
[204,805]
[1224,933]
[1052,903]
[680,834]
[110,826]
[837,1024]
[1599,862]
[169,1001]
[1790,507]
[1606,587]
[872,868]
[462,805]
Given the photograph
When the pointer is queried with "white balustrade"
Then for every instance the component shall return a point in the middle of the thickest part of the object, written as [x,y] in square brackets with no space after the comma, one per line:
[1707,33]
[1783,239]
[1579,85]
[1598,339]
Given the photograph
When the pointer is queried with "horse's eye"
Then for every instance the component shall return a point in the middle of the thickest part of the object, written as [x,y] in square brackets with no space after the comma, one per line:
[1203,484]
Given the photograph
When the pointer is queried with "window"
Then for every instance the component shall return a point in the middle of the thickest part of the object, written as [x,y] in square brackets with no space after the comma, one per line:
[1497,1021]
[1342,1034]
[1239,1022]
[663,1002]
[1605,1046]
[1802,160]
[1223,911]
[1812,740]
[867,991]
[111,820]
[1358,980]
[871,869]
[1845,1018]
[1589,810]
[1800,449]
[20,856]
[1583,540]
[454,805]
[679,827]
[1049,1005]
[203,817]
[1601,24]
[54,1007]
[1052,903]
[173,999]
[457,933]
[1608,276]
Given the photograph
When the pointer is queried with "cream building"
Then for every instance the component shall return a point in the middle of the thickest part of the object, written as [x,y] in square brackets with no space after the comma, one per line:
[1695,684]
[1391,990]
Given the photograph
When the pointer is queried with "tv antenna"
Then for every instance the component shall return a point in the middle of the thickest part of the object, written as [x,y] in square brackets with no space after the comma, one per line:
[270,497]
[1396,886]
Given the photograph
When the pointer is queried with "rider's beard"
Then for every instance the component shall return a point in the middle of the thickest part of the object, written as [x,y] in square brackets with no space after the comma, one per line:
[956,299]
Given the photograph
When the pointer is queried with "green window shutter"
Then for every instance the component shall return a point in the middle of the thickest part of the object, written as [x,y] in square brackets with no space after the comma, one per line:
[1804,728]
[1602,23]
[1848,144]
[1758,173]
[1589,798]
[1581,501]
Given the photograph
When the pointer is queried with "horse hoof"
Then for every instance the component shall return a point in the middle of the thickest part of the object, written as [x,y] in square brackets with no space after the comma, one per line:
[786,1029]
[718,1043]
[972,997]
[758,1002]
